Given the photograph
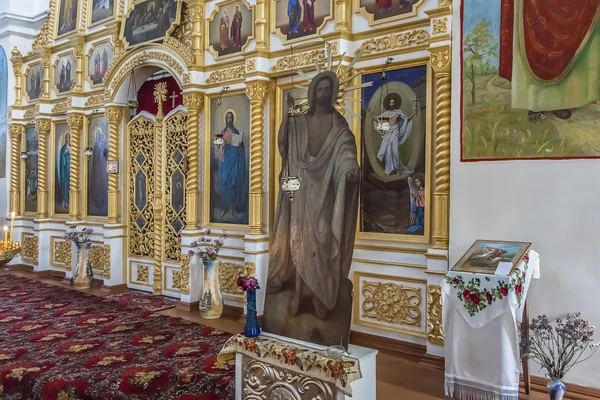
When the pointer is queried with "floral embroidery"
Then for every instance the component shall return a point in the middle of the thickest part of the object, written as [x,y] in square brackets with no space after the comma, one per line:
[476,299]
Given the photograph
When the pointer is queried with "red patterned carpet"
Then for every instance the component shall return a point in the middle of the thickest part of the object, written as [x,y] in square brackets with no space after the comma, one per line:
[135,300]
[56,343]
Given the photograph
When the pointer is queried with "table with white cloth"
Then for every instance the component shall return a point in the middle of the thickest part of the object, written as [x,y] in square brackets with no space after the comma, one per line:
[482,316]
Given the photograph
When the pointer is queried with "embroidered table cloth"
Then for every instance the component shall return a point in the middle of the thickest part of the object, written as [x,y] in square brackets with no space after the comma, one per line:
[481,316]
[306,361]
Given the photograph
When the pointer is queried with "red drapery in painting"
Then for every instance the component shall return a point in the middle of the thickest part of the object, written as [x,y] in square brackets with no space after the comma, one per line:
[146,96]
[554,32]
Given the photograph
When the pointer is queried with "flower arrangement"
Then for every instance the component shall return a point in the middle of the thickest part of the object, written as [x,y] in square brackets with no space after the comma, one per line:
[248,283]
[558,349]
[78,237]
[206,247]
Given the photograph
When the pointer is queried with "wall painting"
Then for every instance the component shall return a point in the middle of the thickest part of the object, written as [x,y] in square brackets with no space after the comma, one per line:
[67,16]
[380,11]
[34,81]
[394,186]
[530,73]
[97,179]
[150,21]
[62,166]
[230,28]
[98,62]
[297,19]
[31,169]
[102,9]
[229,164]
[64,73]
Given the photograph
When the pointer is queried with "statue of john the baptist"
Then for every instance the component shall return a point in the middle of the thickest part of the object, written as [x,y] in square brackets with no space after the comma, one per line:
[309,295]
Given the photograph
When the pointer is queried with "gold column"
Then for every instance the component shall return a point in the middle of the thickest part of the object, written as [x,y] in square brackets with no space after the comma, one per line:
[342,15]
[79,52]
[196,13]
[114,115]
[43,128]
[116,39]
[17,62]
[47,64]
[441,62]
[16,131]
[75,121]
[160,95]
[194,102]
[257,93]
[260,20]
[444,3]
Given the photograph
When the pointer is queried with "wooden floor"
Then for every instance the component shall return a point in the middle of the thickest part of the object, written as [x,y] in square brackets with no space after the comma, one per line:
[398,377]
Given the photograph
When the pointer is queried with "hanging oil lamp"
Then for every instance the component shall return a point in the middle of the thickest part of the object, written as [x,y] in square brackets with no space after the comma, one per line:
[383,123]
[132,102]
[290,185]
[218,140]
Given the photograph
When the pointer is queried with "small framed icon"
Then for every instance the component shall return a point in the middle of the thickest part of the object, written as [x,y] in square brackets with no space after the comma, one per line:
[112,166]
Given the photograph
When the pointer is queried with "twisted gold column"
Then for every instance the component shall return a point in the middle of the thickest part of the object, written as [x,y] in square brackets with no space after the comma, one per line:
[160,95]
[43,128]
[194,102]
[114,115]
[75,121]
[196,13]
[15,131]
[257,93]
[441,63]
[17,62]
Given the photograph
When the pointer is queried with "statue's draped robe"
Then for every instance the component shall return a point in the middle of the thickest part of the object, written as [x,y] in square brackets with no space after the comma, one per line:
[550,51]
[314,235]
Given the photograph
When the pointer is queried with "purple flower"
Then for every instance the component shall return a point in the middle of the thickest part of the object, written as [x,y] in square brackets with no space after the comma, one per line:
[89,231]
[191,253]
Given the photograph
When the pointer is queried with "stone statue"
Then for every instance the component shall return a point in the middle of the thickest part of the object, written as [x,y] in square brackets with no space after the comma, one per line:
[309,295]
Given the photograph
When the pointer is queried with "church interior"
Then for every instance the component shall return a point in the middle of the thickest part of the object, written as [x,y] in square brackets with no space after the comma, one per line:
[299,199]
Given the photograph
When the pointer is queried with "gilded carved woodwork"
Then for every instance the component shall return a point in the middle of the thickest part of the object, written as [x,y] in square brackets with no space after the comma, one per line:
[96,257]
[17,62]
[196,16]
[181,40]
[43,128]
[309,58]
[226,74]
[394,41]
[15,132]
[250,65]
[264,381]
[114,116]
[342,15]
[441,64]
[63,106]
[176,280]
[160,95]
[440,26]
[176,168]
[79,52]
[43,38]
[62,253]
[187,78]
[141,166]
[435,332]
[261,31]
[47,64]
[75,121]
[185,274]
[391,303]
[32,112]
[96,100]
[142,273]
[106,261]
[257,92]
[194,102]
[30,248]
[229,274]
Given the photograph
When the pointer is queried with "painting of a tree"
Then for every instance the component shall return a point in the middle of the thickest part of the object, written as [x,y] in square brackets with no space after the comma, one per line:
[478,46]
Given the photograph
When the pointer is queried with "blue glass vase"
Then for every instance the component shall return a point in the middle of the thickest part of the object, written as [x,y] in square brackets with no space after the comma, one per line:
[556,389]
[251,329]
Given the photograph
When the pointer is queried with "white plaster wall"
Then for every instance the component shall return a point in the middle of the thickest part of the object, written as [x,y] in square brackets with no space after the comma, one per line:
[553,204]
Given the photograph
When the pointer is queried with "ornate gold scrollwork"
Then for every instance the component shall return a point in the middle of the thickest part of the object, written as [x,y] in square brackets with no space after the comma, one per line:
[142,273]
[440,26]
[17,62]
[435,331]
[292,62]
[176,279]
[229,274]
[194,102]
[113,116]
[227,74]
[185,274]
[96,100]
[181,38]
[99,257]
[62,107]
[75,121]
[394,41]
[32,112]
[62,253]
[30,248]
[106,261]
[392,303]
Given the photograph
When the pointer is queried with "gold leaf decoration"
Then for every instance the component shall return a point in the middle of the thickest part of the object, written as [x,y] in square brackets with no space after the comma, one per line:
[142,273]
[227,74]
[176,279]
[30,249]
[435,331]
[96,100]
[303,59]
[160,92]
[440,26]
[394,41]
[391,303]
[185,274]
[62,107]
[229,274]
[62,253]
[106,261]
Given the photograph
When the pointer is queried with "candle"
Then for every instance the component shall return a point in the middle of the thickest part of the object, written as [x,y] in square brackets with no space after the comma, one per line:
[12,225]
[6,234]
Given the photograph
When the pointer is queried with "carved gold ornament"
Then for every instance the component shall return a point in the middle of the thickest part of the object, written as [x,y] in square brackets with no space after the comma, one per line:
[228,276]
[440,26]
[176,279]
[32,112]
[62,253]
[303,59]
[96,100]
[394,41]
[435,332]
[30,248]
[392,303]
[250,65]
[187,78]
[142,273]
[62,107]
[185,274]
[106,261]
[440,59]
[180,39]
[99,257]
[227,74]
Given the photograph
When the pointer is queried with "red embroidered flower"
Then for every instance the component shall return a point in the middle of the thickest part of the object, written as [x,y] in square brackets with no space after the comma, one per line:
[144,381]
[187,350]
[22,375]
[455,281]
[249,344]
[109,360]
[526,258]
[518,289]
[336,370]
[475,299]
[290,357]
[78,347]
[467,295]
[488,297]
[504,290]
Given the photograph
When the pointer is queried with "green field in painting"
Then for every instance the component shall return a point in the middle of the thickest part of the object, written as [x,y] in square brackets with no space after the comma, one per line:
[492,129]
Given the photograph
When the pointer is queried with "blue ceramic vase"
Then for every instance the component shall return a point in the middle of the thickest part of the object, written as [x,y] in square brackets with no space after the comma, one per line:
[251,329]
[556,389]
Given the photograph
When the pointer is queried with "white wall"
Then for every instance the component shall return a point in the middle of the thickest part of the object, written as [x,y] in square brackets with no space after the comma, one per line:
[553,204]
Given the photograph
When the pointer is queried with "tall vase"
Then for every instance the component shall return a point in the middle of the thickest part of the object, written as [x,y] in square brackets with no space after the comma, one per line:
[251,329]
[556,389]
[83,274]
[211,301]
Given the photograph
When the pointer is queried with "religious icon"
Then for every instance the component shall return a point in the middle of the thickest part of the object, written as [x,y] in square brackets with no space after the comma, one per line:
[102,9]
[64,73]
[112,166]
[526,94]
[97,196]
[300,18]
[230,27]
[99,61]
[382,9]
[230,162]
[31,169]
[34,81]
[393,196]
[62,168]
[314,236]
[150,20]
[485,256]
[67,16]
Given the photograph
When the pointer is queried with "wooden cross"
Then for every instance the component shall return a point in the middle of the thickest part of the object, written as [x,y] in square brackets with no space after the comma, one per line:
[173,97]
